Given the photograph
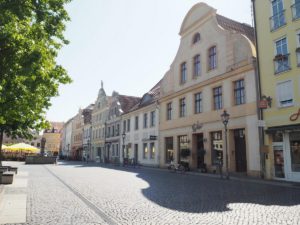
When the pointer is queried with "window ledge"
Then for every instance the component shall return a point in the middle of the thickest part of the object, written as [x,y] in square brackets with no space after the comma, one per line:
[285,71]
[277,28]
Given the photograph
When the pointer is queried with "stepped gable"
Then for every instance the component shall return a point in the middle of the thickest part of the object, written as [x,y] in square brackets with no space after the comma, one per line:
[242,28]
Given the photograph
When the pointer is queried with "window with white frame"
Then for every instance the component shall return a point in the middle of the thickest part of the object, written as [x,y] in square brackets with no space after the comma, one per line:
[212,58]
[281,59]
[285,93]
[145,120]
[152,119]
[278,18]
[296,9]
[197,66]
[183,73]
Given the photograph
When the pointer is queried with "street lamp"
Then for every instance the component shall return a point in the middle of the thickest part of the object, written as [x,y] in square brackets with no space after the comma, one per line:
[225,119]
[123,137]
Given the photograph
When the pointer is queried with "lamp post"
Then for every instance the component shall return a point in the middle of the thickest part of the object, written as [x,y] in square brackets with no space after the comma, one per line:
[123,147]
[225,119]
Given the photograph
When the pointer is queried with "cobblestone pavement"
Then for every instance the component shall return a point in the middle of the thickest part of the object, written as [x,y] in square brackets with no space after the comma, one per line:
[87,193]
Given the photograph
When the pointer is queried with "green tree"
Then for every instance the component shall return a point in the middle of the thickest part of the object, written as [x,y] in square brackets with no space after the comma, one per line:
[31,34]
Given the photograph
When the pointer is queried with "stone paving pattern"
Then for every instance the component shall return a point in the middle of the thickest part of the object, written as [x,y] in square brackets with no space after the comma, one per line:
[151,196]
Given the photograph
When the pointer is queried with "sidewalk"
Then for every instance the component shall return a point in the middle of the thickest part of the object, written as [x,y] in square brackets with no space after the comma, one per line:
[13,200]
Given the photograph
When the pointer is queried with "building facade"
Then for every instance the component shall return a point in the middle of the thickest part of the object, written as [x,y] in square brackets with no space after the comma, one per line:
[140,130]
[278,42]
[77,131]
[120,104]
[212,71]
[67,139]
[52,138]
[87,133]
[99,116]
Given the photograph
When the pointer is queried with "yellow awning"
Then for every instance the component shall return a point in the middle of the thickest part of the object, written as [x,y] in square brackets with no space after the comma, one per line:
[23,147]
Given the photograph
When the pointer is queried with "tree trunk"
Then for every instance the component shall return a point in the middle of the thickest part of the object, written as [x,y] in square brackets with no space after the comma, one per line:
[1,140]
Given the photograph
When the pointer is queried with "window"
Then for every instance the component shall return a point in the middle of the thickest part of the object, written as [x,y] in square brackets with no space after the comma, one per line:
[198,103]
[128,125]
[169,149]
[281,59]
[118,130]
[239,92]
[217,147]
[285,93]
[212,58]
[196,38]
[183,145]
[217,92]
[277,19]
[152,150]
[169,111]
[182,107]
[183,73]
[145,120]
[295,151]
[296,9]
[197,66]
[152,119]
[136,124]
[145,151]
[117,149]
[124,126]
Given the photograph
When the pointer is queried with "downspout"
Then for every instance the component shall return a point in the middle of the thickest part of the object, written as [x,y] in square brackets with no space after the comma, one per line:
[258,96]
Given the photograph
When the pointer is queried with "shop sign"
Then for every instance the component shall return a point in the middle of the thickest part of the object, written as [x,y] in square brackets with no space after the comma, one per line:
[261,123]
[295,116]
[263,104]
[197,126]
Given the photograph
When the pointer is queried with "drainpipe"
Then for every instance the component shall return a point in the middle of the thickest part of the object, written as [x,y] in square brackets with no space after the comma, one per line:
[258,96]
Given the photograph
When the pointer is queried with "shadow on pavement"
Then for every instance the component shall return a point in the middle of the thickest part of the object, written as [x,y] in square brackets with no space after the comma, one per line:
[201,194]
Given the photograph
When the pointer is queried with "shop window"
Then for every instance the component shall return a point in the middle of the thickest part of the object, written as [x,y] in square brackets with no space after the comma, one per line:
[145,151]
[152,150]
[295,151]
[169,150]
[217,148]
[183,146]
[278,161]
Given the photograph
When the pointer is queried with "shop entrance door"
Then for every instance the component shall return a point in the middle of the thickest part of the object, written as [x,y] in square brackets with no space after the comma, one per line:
[200,151]
[240,150]
[293,156]
[136,153]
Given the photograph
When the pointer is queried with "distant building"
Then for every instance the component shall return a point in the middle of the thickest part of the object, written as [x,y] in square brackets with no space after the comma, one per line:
[140,130]
[120,104]
[77,131]
[52,136]
[99,117]
[87,132]
[67,139]
[35,141]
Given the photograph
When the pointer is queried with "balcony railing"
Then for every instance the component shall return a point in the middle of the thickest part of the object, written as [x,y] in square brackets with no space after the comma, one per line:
[282,63]
[278,20]
[296,10]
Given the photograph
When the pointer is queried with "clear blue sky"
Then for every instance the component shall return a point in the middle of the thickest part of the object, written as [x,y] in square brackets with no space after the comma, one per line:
[129,44]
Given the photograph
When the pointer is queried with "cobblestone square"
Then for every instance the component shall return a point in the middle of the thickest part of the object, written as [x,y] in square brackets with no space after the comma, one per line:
[76,193]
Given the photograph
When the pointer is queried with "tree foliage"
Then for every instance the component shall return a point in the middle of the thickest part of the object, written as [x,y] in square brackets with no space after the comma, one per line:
[31,34]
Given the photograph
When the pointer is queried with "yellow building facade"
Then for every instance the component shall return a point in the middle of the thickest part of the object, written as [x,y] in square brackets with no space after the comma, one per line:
[278,43]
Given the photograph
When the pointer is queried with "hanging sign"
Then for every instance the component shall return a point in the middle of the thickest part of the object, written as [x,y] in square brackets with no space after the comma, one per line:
[295,116]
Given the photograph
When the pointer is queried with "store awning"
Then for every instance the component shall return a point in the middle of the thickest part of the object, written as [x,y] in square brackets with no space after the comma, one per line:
[286,128]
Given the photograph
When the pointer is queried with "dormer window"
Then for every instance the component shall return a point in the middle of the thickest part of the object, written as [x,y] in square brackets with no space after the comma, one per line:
[196,38]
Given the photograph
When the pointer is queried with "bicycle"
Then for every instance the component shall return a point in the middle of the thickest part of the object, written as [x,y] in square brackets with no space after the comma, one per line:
[176,167]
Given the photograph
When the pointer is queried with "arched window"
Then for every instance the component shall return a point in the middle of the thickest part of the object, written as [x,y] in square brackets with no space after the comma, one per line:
[196,38]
